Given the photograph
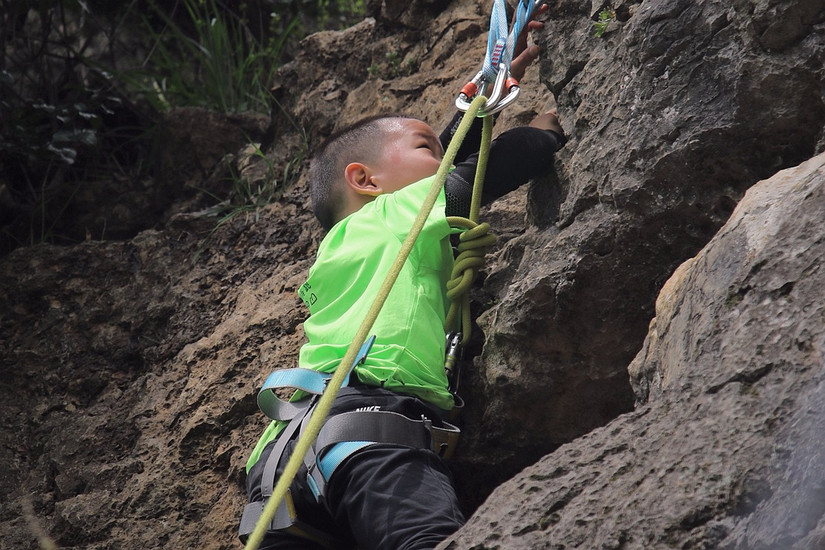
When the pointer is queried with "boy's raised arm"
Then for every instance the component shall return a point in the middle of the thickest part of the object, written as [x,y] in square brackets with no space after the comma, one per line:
[516,156]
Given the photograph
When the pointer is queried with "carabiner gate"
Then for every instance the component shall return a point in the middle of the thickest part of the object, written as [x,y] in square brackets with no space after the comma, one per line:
[468,92]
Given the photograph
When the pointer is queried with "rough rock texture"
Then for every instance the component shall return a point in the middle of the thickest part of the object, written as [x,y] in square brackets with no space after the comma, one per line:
[128,369]
[725,449]
[674,114]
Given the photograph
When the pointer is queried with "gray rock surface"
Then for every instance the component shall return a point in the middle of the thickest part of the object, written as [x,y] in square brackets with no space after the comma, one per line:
[675,112]
[725,448]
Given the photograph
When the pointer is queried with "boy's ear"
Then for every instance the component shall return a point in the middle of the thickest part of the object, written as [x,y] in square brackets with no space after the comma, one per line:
[359,179]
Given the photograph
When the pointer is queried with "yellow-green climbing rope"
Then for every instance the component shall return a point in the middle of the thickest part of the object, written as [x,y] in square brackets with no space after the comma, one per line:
[473,243]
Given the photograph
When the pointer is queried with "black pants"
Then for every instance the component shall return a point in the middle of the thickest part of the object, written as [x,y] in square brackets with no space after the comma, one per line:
[383,497]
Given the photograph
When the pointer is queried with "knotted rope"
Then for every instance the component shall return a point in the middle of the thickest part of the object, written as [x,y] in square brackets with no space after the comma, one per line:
[473,243]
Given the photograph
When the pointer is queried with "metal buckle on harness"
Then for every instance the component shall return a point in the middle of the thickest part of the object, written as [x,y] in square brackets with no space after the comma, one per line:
[285,516]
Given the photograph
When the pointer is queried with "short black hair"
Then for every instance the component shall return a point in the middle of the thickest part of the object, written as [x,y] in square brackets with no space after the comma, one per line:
[358,142]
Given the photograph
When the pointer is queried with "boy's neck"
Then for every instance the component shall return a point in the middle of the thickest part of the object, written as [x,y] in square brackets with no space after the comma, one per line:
[353,202]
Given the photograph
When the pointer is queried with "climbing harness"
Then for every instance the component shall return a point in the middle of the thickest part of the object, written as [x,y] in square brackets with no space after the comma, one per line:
[296,413]
[340,436]
[494,80]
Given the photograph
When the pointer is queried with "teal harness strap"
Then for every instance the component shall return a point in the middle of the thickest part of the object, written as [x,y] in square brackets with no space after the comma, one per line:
[285,516]
[346,433]
[305,380]
[296,413]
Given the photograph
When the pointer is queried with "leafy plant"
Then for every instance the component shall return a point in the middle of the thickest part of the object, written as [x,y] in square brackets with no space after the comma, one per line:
[82,84]
[334,14]
[211,58]
[250,194]
[606,16]
[222,55]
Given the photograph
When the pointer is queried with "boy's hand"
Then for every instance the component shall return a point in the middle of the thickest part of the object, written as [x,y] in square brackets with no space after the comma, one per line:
[523,55]
[524,60]
[548,121]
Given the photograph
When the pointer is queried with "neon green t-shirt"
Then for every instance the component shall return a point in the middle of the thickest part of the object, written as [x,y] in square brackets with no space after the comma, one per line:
[352,263]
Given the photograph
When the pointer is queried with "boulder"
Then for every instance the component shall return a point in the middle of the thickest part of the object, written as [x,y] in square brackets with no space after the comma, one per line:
[724,448]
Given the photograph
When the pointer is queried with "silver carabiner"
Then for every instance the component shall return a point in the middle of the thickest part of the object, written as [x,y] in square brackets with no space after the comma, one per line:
[496,100]
[506,101]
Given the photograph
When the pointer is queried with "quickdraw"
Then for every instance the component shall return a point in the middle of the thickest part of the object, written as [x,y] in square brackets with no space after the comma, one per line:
[493,80]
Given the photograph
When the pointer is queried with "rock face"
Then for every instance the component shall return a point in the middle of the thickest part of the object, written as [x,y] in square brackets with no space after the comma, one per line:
[129,369]
[675,114]
[725,448]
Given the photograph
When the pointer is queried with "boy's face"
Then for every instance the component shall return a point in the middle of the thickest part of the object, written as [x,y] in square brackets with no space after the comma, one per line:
[411,152]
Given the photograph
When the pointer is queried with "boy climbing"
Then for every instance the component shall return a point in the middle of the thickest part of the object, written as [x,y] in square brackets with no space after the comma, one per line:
[386,487]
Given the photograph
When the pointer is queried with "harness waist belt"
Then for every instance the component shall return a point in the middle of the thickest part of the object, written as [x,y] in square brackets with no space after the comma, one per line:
[346,433]
[340,437]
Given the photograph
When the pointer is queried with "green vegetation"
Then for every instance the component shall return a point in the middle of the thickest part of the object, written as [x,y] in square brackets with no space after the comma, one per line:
[249,193]
[82,85]
[393,66]
[228,69]
[606,16]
